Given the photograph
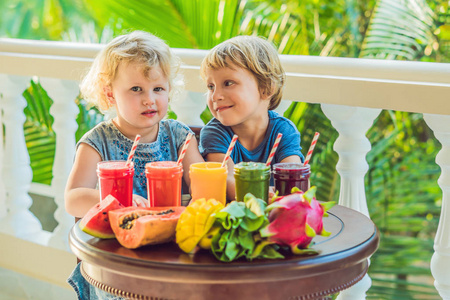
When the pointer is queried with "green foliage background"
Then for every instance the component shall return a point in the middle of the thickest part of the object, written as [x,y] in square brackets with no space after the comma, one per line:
[401,184]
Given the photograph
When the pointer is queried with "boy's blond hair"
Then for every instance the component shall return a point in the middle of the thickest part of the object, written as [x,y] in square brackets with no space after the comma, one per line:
[255,54]
[136,47]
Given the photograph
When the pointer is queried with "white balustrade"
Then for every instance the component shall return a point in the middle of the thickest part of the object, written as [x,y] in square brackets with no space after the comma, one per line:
[352,147]
[440,261]
[17,174]
[64,111]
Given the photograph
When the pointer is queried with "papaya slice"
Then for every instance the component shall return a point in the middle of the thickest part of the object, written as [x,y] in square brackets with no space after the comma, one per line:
[96,222]
[136,226]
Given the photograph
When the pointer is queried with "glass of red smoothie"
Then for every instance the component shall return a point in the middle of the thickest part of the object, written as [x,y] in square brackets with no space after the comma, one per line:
[164,183]
[116,178]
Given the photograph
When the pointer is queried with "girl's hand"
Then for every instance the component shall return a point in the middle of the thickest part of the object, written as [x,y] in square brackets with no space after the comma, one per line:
[140,201]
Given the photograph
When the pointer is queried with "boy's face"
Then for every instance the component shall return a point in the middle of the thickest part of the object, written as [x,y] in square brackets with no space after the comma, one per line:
[234,97]
[140,101]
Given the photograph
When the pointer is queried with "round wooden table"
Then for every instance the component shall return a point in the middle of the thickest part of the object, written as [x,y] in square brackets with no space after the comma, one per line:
[165,272]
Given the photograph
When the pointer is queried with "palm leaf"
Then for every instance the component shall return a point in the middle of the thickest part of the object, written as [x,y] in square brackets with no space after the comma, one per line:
[88,117]
[39,135]
[210,22]
[159,17]
[46,19]
[399,29]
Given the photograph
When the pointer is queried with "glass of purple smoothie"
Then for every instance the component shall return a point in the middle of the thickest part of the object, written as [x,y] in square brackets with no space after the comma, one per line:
[288,175]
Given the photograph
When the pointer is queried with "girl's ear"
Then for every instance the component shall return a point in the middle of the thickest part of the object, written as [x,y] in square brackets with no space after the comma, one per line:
[109,94]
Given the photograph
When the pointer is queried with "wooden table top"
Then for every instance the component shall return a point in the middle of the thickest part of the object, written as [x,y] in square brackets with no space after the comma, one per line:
[165,272]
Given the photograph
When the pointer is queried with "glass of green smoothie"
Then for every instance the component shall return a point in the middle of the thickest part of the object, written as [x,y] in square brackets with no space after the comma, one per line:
[252,177]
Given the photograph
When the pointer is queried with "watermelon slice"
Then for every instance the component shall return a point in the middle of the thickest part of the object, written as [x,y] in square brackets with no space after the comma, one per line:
[96,221]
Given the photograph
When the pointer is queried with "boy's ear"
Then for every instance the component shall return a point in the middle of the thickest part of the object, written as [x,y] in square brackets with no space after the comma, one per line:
[109,94]
[266,94]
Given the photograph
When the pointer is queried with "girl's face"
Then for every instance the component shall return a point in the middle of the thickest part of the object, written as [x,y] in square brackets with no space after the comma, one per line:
[140,101]
[234,97]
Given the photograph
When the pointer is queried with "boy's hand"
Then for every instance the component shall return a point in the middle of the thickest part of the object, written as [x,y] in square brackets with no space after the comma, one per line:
[140,201]
[271,192]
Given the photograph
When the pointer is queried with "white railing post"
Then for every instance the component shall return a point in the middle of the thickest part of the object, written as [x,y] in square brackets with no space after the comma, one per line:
[440,261]
[64,111]
[352,146]
[17,173]
[283,106]
[3,208]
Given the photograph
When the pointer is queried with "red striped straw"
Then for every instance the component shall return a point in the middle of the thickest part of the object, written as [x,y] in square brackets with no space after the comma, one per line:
[230,149]
[311,148]
[274,149]
[133,149]
[183,150]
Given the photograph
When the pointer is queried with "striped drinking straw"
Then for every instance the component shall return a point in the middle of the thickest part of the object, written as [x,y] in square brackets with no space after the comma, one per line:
[185,146]
[133,149]
[230,149]
[311,148]
[274,149]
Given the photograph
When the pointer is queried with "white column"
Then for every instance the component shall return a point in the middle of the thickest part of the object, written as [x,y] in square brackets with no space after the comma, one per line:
[3,208]
[189,107]
[283,106]
[440,261]
[352,146]
[17,173]
[64,111]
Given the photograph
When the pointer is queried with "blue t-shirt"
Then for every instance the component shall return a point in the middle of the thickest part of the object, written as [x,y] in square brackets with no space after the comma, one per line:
[215,138]
[111,144]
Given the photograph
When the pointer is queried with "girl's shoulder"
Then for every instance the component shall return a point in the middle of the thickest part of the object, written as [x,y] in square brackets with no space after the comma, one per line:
[173,130]
[171,125]
[101,130]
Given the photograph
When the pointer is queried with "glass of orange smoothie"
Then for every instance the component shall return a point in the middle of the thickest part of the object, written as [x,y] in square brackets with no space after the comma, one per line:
[208,180]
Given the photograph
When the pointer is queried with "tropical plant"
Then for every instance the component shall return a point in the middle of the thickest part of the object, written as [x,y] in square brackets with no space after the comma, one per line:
[408,29]
[405,213]
[39,135]
[46,19]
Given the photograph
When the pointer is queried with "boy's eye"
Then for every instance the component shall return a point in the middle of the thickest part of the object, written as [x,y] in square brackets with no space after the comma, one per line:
[136,89]
[158,89]
[210,87]
[228,83]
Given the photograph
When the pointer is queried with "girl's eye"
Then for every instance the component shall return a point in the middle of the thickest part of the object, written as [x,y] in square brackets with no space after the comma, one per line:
[210,87]
[158,89]
[136,89]
[228,83]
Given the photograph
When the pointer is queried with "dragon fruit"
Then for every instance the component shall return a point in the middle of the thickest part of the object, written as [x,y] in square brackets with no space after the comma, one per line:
[295,220]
